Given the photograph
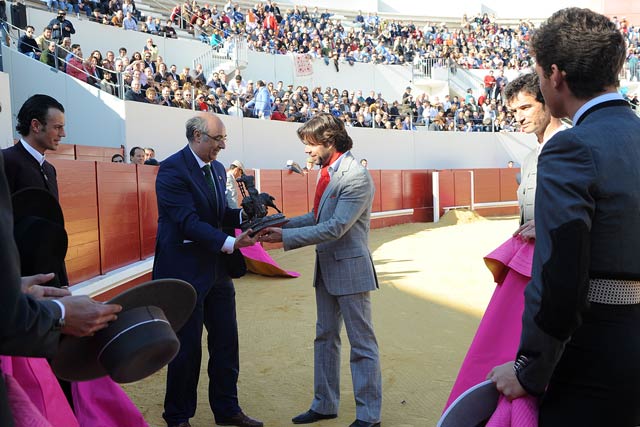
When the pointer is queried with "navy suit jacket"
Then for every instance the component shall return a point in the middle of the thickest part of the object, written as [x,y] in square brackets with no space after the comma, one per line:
[190,218]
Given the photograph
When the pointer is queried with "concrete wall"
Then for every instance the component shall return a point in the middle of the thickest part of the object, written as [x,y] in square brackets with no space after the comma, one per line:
[6,132]
[268,144]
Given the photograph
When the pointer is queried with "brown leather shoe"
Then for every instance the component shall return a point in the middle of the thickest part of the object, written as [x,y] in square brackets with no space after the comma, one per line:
[239,420]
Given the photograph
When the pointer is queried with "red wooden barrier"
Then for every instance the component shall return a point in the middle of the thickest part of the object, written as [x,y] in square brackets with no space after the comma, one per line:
[79,201]
[148,209]
[97,154]
[64,151]
[118,214]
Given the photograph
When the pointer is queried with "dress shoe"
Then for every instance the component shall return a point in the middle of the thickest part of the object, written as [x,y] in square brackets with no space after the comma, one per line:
[184,424]
[359,423]
[311,416]
[239,420]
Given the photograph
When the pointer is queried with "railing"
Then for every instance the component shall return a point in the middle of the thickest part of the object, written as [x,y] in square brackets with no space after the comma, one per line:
[422,66]
[14,33]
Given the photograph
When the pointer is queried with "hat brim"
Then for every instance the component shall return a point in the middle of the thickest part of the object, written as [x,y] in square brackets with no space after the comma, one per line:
[77,358]
[37,202]
[472,407]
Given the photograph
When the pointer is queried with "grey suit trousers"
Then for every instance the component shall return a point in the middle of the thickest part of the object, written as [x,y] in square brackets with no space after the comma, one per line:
[355,311]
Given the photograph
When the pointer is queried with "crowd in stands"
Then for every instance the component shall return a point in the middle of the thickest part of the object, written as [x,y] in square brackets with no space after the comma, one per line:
[145,77]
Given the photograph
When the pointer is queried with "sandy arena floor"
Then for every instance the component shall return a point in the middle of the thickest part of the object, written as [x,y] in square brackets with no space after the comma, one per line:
[433,290]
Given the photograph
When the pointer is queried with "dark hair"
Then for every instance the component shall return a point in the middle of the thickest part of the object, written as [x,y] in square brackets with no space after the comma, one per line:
[115,156]
[585,46]
[528,83]
[36,107]
[326,129]
[132,152]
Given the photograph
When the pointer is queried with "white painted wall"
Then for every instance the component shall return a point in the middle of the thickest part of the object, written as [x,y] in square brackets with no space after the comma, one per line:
[263,144]
[6,133]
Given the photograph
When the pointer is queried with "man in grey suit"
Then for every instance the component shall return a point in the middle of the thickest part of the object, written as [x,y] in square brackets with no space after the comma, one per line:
[344,276]
[580,345]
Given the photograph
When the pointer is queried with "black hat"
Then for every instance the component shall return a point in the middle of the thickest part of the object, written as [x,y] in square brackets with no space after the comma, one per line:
[140,342]
[39,232]
[473,407]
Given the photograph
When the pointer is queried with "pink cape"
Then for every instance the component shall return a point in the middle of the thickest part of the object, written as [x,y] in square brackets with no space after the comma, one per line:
[259,262]
[498,335]
[38,399]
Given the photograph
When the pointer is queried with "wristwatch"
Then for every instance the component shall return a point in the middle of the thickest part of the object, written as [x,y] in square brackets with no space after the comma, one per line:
[58,324]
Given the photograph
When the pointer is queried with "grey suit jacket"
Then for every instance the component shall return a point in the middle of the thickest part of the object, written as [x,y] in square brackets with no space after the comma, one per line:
[341,233]
[589,175]
[527,187]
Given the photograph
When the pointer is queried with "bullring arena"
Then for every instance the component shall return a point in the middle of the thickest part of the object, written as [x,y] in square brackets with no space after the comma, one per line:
[445,185]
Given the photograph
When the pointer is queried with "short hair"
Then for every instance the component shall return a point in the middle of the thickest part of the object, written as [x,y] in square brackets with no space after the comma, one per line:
[326,129]
[36,107]
[132,152]
[528,83]
[29,26]
[196,123]
[584,45]
[48,27]
[115,156]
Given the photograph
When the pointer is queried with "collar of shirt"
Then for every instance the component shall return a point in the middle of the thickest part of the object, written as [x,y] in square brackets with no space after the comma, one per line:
[595,101]
[335,165]
[201,164]
[36,155]
[541,146]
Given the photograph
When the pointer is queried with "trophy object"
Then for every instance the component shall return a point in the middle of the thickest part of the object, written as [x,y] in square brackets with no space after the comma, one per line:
[256,206]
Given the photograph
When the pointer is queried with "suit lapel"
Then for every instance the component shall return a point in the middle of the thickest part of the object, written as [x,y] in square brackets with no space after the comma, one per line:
[345,164]
[198,177]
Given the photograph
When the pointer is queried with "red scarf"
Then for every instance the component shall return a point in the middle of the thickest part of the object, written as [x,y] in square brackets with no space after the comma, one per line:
[323,182]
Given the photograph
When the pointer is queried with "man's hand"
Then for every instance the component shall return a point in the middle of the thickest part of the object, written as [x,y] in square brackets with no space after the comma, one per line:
[271,235]
[526,231]
[85,316]
[31,285]
[244,240]
[506,381]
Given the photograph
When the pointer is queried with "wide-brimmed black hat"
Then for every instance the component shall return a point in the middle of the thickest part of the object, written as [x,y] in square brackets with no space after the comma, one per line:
[39,232]
[473,407]
[140,342]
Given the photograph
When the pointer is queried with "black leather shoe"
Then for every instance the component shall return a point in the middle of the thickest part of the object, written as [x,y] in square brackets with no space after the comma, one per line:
[311,416]
[184,424]
[239,420]
[359,423]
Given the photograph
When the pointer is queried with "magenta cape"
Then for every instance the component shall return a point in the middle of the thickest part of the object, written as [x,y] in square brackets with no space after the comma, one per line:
[498,336]
[36,399]
[259,262]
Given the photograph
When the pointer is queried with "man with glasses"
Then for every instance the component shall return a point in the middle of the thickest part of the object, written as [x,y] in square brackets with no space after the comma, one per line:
[191,246]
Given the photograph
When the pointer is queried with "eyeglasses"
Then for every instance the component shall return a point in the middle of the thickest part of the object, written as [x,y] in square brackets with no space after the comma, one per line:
[217,138]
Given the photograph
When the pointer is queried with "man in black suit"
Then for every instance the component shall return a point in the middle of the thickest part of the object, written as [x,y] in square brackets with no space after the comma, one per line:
[191,246]
[29,327]
[41,124]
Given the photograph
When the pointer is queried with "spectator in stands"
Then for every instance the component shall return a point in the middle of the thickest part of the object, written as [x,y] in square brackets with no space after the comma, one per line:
[188,99]
[151,48]
[28,45]
[166,98]
[237,86]
[261,103]
[75,65]
[117,158]
[43,39]
[201,103]
[151,95]
[489,85]
[168,31]
[501,83]
[118,19]
[279,114]
[96,16]
[134,92]
[197,75]
[136,156]
[148,62]
[129,22]
[61,27]
[48,55]
[151,25]
[107,85]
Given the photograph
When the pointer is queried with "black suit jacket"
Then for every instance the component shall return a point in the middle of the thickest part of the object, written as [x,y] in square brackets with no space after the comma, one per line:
[25,324]
[23,171]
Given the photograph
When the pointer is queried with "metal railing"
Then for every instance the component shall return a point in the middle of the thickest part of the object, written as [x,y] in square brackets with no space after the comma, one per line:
[233,49]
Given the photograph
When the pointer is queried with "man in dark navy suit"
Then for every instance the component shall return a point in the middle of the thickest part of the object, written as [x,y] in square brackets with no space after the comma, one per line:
[580,345]
[190,246]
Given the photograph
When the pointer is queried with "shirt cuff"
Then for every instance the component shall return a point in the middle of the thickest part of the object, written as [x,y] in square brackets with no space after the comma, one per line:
[227,247]
[62,310]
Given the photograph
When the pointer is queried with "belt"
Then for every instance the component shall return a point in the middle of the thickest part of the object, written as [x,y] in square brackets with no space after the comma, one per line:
[614,292]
